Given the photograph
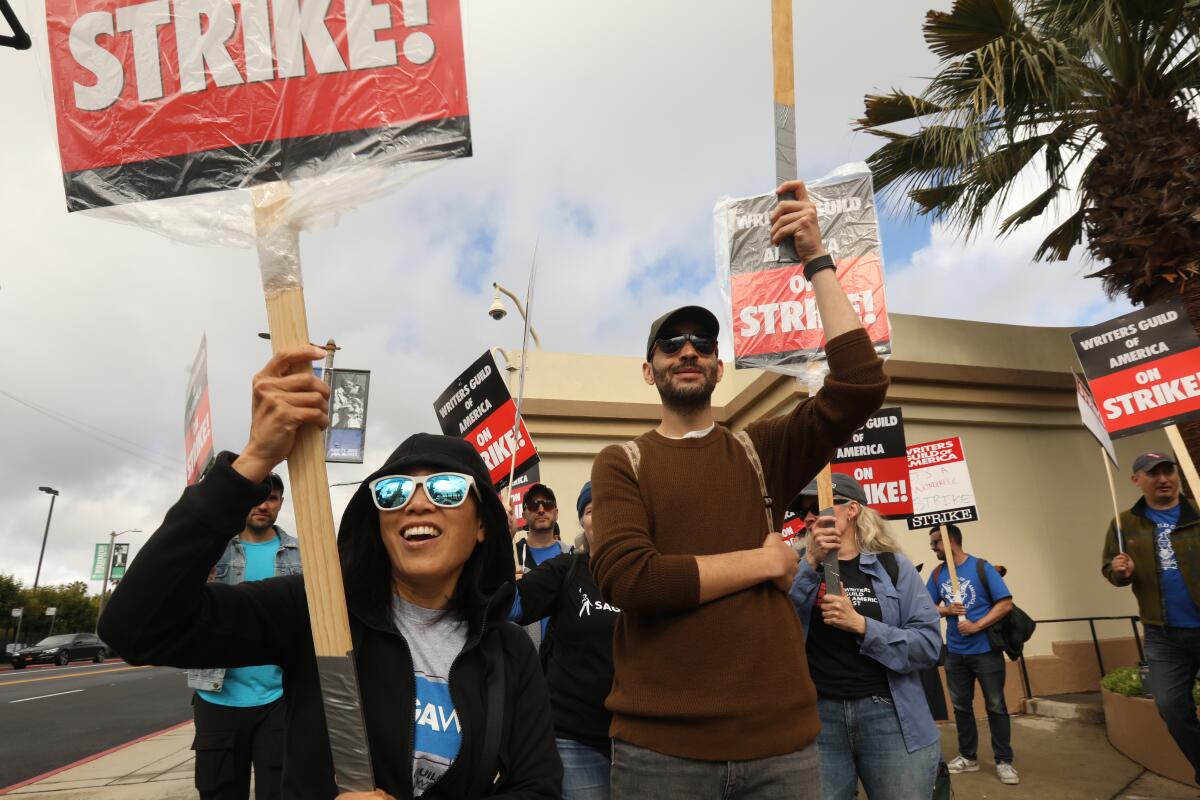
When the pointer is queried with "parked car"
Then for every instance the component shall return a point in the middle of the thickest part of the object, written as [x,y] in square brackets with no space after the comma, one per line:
[61,648]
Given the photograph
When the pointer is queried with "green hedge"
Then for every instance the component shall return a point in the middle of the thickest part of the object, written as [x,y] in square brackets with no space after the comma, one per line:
[1128,681]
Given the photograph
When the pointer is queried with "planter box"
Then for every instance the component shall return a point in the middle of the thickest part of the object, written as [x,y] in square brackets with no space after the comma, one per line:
[1136,730]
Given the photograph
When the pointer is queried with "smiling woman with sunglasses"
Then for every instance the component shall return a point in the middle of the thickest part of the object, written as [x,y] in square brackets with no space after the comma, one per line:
[427,565]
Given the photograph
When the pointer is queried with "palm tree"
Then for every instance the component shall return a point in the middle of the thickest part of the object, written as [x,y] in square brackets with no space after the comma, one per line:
[1092,100]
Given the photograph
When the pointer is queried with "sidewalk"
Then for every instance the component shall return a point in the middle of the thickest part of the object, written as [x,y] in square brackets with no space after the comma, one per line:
[158,767]
[1058,760]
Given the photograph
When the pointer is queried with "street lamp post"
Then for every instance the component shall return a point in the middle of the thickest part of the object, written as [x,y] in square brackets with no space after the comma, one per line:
[53,494]
[112,540]
[498,312]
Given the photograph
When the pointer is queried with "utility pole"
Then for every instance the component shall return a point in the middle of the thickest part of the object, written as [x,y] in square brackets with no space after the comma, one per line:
[112,539]
[53,494]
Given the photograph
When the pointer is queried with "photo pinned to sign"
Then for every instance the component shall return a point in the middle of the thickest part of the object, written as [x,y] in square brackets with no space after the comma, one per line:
[346,436]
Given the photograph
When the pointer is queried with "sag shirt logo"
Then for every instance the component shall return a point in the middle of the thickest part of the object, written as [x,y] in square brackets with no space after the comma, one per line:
[586,605]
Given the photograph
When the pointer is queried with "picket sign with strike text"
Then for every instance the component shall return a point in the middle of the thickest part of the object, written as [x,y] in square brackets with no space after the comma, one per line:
[941,484]
[478,407]
[1143,368]
[164,98]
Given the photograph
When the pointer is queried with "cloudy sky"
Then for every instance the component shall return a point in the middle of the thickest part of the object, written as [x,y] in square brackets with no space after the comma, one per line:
[606,129]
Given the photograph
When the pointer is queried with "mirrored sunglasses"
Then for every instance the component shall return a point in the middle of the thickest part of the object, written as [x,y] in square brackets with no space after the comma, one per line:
[444,489]
[705,345]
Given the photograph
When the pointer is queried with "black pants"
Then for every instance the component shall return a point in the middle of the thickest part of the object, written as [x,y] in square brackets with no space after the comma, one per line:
[228,740]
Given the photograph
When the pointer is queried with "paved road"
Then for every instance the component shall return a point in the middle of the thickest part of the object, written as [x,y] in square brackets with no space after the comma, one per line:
[51,717]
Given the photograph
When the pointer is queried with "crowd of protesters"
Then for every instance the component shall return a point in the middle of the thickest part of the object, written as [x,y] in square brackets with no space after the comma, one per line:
[681,649]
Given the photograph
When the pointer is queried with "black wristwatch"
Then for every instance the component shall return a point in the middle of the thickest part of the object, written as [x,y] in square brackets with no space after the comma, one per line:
[813,266]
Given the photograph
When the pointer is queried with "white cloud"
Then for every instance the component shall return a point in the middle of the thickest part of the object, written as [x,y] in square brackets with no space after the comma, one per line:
[609,130]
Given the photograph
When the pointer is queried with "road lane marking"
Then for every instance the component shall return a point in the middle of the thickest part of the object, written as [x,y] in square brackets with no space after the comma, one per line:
[64,677]
[44,696]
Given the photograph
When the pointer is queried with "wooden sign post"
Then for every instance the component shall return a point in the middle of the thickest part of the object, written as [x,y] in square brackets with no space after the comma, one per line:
[279,262]
[1112,490]
[948,548]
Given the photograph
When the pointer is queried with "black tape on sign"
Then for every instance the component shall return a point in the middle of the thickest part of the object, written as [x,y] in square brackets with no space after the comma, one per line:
[344,719]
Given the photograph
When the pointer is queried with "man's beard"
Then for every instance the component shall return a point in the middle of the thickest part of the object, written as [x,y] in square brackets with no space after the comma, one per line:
[258,527]
[686,399]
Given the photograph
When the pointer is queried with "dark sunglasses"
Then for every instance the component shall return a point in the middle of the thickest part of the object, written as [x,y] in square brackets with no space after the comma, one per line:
[705,345]
[444,489]
[541,505]
[804,511]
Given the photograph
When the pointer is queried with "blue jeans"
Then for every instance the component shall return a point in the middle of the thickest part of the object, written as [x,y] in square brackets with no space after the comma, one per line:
[861,740]
[961,673]
[1173,655]
[585,771]
[641,774]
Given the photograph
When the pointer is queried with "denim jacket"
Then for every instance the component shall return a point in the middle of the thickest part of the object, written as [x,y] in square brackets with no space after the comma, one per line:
[908,640]
[231,569]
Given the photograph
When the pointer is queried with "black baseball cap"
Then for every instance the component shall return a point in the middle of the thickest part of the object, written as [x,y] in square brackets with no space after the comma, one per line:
[843,486]
[1148,461]
[698,315]
[539,488]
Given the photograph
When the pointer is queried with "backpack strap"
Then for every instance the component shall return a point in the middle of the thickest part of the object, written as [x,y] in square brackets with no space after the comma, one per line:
[890,565]
[751,453]
[489,762]
[635,456]
[937,575]
[980,564]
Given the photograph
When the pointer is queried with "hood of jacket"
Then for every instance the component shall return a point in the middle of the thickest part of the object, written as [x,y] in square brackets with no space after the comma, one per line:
[433,451]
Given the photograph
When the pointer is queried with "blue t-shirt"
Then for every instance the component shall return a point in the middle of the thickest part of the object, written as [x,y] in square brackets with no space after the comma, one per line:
[1177,601]
[245,687]
[978,602]
[538,555]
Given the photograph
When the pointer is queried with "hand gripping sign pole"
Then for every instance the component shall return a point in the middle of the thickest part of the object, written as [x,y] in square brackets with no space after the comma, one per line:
[279,262]
[1112,490]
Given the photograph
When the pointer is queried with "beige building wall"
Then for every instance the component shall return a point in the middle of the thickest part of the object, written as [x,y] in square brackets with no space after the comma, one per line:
[1005,390]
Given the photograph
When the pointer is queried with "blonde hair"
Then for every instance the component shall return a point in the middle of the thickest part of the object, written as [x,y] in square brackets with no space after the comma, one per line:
[872,533]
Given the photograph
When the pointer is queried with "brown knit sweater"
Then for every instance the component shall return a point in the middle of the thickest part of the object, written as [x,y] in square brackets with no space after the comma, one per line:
[726,680]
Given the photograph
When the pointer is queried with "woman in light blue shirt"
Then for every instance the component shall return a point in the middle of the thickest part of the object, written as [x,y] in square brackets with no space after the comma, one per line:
[866,648]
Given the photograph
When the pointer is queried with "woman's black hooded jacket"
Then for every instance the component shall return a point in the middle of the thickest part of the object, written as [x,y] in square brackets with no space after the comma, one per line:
[165,613]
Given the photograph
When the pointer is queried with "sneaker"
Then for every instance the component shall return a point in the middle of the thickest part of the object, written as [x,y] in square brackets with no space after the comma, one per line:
[963,764]
[1007,774]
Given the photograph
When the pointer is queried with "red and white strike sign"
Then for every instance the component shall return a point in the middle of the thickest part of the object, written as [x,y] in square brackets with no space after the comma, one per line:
[478,407]
[197,418]
[162,98]
[1143,368]
[877,458]
[776,324]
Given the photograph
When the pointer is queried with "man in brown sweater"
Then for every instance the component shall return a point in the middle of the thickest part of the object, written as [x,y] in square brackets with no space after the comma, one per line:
[711,696]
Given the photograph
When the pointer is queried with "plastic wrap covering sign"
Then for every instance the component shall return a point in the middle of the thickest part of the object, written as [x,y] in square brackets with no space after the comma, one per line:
[165,98]
[478,407]
[1143,368]
[877,458]
[775,320]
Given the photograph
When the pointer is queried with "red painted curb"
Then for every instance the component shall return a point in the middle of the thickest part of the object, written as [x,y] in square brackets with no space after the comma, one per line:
[93,757]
